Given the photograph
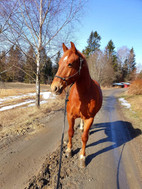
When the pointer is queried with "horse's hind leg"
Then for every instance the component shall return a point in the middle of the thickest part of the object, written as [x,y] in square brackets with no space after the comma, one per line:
[85,135]
[70,135]
[81,124]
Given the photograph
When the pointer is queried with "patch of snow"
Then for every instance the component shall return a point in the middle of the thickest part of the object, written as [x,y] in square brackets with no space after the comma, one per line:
[43,102]
[16,105]
[16,97]
[124,103]
[45,95]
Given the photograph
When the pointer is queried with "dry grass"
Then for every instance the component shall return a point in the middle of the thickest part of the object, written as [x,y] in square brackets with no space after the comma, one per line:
[14,92]
[22,120]
[136,87]
[136,103]
[13,89]
[135,112]
[134,97]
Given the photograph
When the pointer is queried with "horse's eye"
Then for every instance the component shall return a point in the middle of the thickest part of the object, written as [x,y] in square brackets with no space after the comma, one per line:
[69,65]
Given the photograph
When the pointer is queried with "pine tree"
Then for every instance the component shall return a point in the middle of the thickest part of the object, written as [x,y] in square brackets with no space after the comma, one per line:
[93,44]
[2,66]
[132,62]
[46,70]
[14,64]
[111,55]
[30,66]
[112,59]
[18,65]
[55,66]
[131,65]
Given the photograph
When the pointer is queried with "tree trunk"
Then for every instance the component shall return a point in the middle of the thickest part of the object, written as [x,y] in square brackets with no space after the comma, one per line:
[38,81]
[38,60]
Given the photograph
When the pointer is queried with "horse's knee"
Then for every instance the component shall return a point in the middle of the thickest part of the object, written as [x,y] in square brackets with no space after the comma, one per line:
[85,136]
[70,132]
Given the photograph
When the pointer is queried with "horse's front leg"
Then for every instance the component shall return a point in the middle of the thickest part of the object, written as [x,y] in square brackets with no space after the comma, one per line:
[85,135]
[71,121]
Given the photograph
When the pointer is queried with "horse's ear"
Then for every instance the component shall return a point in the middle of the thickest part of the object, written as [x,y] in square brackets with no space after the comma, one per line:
[64,47]
[73,48]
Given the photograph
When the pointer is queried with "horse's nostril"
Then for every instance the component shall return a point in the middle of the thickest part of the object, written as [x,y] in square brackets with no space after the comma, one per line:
[55,89]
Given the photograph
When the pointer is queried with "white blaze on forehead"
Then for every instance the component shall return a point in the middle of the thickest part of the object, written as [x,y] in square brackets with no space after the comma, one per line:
[65,57]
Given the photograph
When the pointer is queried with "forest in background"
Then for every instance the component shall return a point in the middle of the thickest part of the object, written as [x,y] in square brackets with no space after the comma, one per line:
[106,66]
[18,67]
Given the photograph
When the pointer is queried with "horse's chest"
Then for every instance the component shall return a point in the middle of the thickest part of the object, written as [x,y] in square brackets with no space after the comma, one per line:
[81,108]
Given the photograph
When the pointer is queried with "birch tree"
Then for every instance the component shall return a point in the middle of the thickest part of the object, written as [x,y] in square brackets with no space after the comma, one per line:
[37,23]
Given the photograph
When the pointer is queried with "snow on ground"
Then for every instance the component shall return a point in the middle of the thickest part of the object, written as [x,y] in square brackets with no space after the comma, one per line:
[16,105]
[124,103]
[45,95]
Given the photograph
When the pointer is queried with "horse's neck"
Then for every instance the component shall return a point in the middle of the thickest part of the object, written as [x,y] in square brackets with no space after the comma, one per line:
[84,81]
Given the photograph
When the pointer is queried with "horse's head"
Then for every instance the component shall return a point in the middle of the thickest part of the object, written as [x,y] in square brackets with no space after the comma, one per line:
[69,69]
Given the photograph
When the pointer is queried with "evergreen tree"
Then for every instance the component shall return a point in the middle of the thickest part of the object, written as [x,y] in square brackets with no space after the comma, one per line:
[125,70]
[18,65]
[10,63]
[30,66]
[112,59]
[2,66]
[129,66]
[46,70]
[55,66]
[132,62]
[15,64]
[111,55]
[93,44]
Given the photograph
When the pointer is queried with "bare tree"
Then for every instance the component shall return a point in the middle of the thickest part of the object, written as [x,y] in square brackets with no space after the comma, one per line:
[37,23]
[100,68]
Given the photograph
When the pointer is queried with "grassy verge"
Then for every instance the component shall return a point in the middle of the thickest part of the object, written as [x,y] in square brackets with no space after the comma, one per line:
[134,114]
[12,89]
[20,121]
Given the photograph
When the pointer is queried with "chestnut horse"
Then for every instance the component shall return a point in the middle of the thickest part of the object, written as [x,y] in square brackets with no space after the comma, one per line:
[85,98]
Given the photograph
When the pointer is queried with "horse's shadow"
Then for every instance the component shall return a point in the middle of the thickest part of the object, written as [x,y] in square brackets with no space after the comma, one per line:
[119,133]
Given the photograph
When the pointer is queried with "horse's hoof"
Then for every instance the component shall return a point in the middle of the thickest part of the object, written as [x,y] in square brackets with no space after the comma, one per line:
[68,153]
[82,163]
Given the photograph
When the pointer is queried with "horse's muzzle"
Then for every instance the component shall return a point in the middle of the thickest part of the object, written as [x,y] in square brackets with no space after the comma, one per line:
[57,88]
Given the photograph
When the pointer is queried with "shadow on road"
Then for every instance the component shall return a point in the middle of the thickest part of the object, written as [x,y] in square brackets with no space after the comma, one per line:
[118,132]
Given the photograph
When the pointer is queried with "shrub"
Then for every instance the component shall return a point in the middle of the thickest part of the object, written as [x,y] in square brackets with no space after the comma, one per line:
[136,87]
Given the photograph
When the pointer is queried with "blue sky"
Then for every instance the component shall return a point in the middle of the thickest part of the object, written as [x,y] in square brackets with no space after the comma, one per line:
[119,20]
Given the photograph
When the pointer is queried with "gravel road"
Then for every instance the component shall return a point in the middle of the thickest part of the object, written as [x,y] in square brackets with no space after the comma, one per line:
[112,159]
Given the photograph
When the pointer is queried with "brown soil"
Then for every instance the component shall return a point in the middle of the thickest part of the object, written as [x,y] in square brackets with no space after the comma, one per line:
[71,175]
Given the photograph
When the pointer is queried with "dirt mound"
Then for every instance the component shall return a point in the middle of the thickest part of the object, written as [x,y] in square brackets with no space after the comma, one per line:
[71,175]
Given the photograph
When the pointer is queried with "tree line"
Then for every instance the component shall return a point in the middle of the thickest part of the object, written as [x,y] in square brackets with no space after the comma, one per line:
[18,67]
[108,65]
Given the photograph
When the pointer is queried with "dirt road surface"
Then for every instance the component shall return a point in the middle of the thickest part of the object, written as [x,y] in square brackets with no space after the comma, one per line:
[113,160]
